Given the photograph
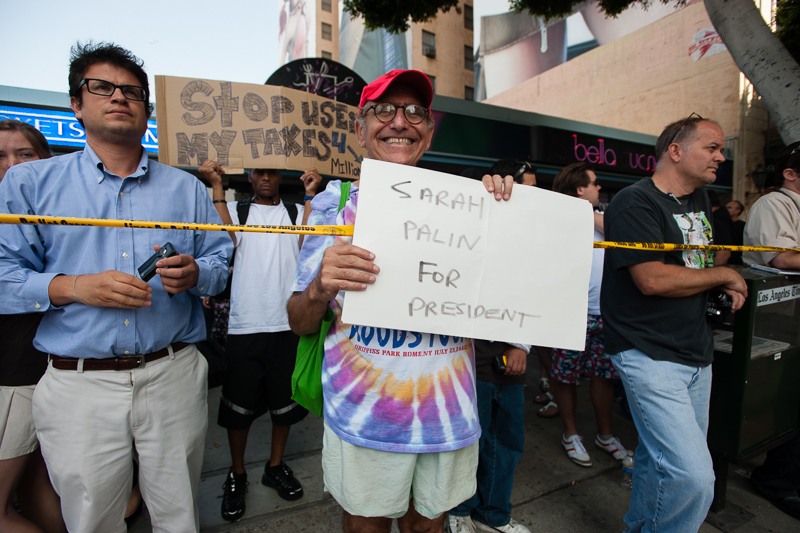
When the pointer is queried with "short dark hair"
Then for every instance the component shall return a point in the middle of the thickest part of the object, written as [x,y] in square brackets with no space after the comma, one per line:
[510,167]
[571,177]
[739,204]
[34,136]
[679,132]
[266,171]
[83,56]
[788,158]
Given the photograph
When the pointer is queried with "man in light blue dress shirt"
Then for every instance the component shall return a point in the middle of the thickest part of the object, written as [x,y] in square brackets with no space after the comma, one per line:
[124,372]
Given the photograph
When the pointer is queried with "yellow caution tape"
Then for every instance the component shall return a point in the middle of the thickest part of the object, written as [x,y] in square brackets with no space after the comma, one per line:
[667,247]
[112,223]
[344,231]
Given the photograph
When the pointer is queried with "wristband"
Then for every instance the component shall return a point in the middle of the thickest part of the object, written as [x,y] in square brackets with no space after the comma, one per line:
[308,197]
[220,201]
[76,292]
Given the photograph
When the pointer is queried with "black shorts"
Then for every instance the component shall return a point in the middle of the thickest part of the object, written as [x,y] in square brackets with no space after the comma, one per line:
[258,378]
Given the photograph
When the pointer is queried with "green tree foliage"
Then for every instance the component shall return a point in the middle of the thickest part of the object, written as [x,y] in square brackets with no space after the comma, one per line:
[394,15]
[550,9]
[787,20]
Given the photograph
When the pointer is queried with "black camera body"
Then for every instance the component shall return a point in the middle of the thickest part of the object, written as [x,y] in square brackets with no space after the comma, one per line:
[148,268]
[499,363]
[718,307]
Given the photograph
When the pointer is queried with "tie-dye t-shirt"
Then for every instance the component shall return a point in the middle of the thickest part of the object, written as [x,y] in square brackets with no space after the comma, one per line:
[387,389]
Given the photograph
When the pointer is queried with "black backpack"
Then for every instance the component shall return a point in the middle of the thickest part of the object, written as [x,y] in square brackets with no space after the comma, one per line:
[243,209]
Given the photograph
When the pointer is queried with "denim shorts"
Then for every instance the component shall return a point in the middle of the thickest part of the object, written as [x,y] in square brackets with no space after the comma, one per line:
[372,483]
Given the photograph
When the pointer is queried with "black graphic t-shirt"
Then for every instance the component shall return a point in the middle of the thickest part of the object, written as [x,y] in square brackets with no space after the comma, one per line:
[670,329]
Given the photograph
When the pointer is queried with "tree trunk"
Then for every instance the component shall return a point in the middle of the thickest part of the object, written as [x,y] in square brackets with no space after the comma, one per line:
[761,56]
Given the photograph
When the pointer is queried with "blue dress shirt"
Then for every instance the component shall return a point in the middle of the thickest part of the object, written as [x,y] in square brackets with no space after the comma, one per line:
[77,185]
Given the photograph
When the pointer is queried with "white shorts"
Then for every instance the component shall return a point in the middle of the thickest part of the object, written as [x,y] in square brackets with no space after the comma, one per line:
[371,483]
[17,432]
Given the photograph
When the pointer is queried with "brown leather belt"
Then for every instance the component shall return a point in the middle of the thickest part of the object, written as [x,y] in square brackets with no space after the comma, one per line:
[129,362]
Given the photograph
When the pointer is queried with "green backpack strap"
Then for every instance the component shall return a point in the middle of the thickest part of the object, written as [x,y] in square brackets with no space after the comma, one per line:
[307,375]
[345,194]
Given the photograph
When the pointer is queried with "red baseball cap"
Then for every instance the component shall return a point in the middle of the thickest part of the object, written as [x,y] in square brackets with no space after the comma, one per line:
[416,79]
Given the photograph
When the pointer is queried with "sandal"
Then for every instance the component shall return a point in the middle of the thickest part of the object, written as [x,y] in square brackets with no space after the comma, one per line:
[547,397]
[544,384]
[548,411]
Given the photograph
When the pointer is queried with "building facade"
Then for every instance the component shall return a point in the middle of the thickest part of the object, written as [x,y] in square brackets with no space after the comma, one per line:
[441,48]
[658,74]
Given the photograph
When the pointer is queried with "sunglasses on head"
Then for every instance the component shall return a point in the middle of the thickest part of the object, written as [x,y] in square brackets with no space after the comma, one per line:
[526,167]
[687,119]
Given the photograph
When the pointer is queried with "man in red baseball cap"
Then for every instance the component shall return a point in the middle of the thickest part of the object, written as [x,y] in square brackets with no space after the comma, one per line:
[398,429]
[395,122]
[412,78]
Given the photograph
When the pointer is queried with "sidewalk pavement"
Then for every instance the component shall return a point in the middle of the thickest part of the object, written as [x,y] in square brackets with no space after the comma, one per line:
[551,494]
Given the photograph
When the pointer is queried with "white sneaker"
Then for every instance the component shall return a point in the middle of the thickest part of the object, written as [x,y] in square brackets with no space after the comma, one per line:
[613,447]
[575,450]
[512,527]
[460,524]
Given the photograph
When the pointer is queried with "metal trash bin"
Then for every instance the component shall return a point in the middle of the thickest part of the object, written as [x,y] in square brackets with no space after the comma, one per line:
[755,392]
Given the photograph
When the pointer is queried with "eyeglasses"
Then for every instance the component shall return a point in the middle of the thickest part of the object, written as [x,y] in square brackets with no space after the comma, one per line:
[687,119]
[796,149]
[386,112]
[594,182]
[106,88]
[526,167]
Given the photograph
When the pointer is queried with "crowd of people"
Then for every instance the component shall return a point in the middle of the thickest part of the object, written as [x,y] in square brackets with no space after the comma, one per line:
[102,388]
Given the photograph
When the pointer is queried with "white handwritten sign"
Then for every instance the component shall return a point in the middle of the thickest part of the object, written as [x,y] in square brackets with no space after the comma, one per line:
[242,125]
[454,261]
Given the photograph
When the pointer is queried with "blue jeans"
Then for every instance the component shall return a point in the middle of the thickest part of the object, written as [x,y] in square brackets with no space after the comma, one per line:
[673,478]
[501,411]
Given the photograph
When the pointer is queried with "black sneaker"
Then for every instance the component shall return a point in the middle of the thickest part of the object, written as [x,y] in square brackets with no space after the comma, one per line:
[235,488]
[281,478]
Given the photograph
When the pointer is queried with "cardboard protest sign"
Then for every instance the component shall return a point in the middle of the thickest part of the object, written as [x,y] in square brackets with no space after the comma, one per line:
[456,262]
[242,125]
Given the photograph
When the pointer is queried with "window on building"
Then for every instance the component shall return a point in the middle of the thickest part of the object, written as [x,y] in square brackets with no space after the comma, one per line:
[467,17]
[433,82]
[327,32]
[469,93]
[428,44]
[326,55]
[469,58]
[326,6]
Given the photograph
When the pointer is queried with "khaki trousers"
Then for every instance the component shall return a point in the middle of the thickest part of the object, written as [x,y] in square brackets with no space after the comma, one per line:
[89,422]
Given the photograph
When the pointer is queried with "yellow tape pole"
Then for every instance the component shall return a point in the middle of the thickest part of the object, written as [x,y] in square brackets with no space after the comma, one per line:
[670,247]
[112,223]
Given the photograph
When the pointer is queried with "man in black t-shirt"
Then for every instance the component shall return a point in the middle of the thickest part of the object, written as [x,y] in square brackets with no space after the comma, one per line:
[723,229]
[654,312]
[735,209]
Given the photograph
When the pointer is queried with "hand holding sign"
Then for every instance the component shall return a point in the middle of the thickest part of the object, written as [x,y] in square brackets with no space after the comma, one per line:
[344,268]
